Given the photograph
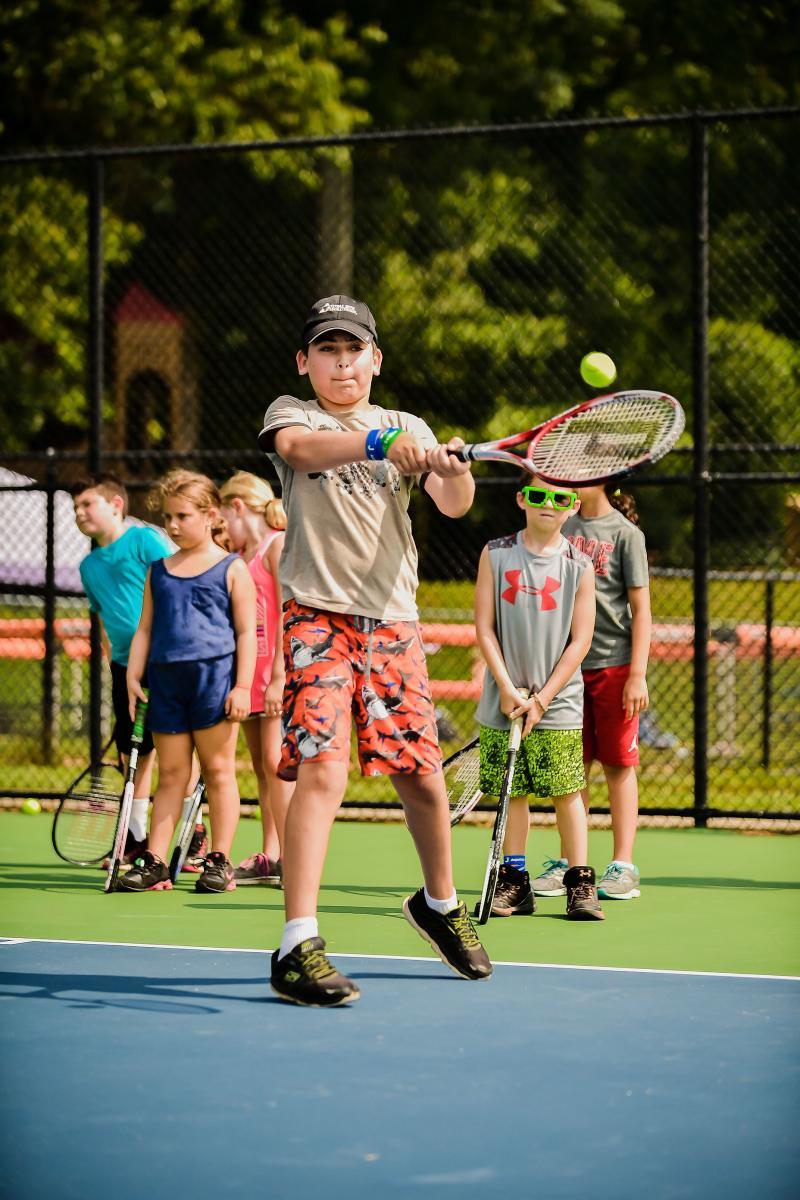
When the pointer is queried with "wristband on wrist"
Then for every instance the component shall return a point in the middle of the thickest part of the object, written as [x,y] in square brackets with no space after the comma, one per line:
[374,446]
[540,704]
[387,436]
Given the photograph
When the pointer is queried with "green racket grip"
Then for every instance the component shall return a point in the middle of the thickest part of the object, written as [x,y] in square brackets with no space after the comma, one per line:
[137,735]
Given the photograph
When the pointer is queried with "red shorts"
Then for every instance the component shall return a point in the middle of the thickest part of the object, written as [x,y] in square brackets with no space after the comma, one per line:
[607,734]
[339,667]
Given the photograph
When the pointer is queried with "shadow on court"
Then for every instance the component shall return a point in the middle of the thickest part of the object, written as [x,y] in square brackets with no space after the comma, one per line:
[755,885]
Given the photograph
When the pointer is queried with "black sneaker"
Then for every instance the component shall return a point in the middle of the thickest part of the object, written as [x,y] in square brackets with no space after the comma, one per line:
[452,936]
[305,976]
[196,854]
[148,874]
[217,874]
[582,902]
[513,897]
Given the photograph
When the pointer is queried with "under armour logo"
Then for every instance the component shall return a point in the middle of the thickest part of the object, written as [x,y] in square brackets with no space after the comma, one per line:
[515,587]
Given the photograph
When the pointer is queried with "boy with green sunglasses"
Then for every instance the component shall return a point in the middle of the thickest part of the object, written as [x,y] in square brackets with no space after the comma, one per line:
[534,618]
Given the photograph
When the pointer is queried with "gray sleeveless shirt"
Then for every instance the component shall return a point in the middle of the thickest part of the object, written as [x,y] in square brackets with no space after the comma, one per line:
[534,597]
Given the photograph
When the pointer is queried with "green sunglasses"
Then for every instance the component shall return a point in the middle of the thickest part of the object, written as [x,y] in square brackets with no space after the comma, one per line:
[537,497]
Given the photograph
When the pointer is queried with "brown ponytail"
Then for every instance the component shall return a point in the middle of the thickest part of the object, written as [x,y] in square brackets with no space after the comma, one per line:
[623,502]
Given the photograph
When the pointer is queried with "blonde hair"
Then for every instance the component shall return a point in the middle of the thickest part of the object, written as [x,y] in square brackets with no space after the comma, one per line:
[256,493]
[199,490]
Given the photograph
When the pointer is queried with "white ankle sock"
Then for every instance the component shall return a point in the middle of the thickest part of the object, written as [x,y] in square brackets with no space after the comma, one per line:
[298,930]
[443,907]
[138,821]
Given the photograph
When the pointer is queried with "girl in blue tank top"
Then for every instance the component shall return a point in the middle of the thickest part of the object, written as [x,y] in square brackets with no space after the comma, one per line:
[196,637]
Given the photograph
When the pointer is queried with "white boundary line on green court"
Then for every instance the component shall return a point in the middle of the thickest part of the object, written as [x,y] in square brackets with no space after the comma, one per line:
[16,941]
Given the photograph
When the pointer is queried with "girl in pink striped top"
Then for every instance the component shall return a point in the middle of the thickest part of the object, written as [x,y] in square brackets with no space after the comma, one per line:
[255,521]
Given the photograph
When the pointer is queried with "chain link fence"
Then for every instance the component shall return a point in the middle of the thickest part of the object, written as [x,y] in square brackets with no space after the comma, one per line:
[150,311]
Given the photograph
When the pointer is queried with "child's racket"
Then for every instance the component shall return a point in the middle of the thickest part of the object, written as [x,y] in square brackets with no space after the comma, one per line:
[126,804]
[85,820]
[461,772]
[187,832]
[484,907]
[594,442]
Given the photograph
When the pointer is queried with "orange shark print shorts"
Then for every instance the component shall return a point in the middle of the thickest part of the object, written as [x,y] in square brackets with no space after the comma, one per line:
[341,668]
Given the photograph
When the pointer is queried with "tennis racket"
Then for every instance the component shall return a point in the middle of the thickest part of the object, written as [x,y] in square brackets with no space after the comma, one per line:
[85,820]
[461,771]
[594,442]
[484,906]
[187,831]
[126,804]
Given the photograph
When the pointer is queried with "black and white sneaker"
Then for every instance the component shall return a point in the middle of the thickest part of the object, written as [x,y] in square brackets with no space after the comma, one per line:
[305,976]
[148,874]
[217,874]
[452,936]
[513,897]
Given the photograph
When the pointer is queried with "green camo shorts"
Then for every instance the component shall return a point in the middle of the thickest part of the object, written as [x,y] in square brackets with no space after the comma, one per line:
[549,762]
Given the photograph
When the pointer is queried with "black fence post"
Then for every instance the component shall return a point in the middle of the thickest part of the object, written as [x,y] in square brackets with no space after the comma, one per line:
[769,618]
[701,473]
[48,681]
[95,381]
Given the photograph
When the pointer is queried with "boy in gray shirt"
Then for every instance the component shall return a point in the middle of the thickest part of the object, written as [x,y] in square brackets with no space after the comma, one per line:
[534,616]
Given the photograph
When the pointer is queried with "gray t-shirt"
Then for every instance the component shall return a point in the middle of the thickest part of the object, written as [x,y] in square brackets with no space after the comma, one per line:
[617,550]
[534,599]
[348,546]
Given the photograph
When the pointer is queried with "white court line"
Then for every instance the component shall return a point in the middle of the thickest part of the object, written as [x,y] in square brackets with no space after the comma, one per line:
[408,958]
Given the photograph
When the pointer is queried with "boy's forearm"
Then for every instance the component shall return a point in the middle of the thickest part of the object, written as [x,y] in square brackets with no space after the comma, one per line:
[564,669]
[319,451]
[453,496]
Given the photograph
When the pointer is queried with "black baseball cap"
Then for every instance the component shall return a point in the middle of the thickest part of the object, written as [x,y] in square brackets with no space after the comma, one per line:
[340,312]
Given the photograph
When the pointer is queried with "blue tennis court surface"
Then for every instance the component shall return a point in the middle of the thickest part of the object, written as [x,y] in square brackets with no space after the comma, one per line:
[141,1071]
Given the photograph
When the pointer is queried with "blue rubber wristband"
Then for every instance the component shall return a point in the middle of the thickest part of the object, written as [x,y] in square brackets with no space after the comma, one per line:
[374,445]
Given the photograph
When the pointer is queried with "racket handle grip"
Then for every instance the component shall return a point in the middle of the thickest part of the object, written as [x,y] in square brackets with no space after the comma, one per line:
[463,455]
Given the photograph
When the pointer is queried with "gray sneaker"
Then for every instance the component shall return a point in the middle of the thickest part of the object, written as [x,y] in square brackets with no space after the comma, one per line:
[619,882]
[259,870]
[551,880]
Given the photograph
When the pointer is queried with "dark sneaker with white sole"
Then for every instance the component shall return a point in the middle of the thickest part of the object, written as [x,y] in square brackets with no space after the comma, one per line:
[217,874]
[582,902]
[513,896]
[306,976]
[148,874]
[452,936]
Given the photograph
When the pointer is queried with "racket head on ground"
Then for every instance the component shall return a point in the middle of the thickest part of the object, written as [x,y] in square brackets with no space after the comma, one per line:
[600,440]
[184,841]
[86,818]
[461,777]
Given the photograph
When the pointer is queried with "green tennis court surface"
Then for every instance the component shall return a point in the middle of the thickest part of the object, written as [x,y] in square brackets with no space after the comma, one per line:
[711,901]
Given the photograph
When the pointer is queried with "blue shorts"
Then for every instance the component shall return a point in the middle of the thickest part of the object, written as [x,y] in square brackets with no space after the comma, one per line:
[185,696]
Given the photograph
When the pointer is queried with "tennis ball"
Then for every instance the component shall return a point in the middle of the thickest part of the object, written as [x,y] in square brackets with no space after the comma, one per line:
[598,369]
[31,806]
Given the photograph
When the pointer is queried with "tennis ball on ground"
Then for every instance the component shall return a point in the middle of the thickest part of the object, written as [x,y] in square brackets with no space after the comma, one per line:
[31,806]
[598,369]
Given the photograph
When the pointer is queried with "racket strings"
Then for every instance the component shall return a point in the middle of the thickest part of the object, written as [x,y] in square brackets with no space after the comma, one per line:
[462,781]
[88,814]
[609,438]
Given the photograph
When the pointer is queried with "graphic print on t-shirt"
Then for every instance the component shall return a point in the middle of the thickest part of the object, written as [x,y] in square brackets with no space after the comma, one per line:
[545,592]
[599,552]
